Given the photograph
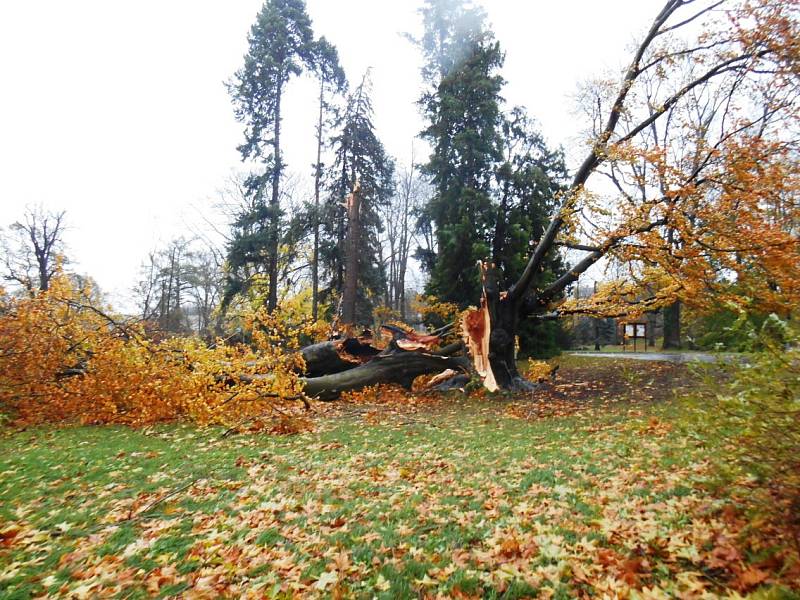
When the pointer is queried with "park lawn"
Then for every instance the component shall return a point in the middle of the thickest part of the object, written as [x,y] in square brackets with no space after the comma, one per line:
[585,491]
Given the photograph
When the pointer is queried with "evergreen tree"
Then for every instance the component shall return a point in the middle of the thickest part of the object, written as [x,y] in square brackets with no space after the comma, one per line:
[464,116]
[248,248]
[450,29]
[332,80]
[359,156]
[280,44]
[494,177]
[526,183]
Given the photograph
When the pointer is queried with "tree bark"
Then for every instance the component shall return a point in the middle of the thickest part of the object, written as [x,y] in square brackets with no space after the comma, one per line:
[596,324]
[335,356]
[274,229]
[504,317]
[396,366]
[503,314]
[672,326]
[651,329]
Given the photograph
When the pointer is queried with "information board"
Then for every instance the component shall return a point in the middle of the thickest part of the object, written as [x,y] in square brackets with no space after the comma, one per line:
[634,331]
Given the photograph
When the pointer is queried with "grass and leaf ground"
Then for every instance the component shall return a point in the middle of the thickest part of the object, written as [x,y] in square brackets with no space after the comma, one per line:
[596,486]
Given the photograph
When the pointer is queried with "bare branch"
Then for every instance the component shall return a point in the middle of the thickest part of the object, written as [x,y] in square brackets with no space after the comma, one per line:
[697,15]
[572,275]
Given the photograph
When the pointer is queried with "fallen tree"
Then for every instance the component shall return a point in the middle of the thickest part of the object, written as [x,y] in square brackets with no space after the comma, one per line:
[335,356]
[698,129]
[396,366]
[346,364]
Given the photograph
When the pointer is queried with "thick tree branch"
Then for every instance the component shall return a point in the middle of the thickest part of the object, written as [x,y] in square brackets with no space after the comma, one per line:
[582,247]
[396,367]
[594,158]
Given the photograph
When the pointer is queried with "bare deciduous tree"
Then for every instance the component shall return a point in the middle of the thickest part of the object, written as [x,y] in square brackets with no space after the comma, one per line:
[180,287]
[33,249]
[399,217]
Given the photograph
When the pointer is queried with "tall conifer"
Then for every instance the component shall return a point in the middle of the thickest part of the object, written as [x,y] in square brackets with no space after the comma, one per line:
[280,44]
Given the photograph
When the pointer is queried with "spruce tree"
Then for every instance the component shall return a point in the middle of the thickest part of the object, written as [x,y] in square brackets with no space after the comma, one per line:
[332,80]
[359,156]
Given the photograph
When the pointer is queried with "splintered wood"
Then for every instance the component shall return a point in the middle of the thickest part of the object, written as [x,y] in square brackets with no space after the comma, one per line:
[414,341]
[476,329]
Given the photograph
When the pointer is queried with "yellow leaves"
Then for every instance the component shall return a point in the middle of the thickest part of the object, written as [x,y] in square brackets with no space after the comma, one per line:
[539,370]
[434,312]
[382,584]
[649,290]
[62,358]
[723,196]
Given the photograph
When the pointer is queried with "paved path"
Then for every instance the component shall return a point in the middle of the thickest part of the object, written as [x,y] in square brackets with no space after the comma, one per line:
[676,357]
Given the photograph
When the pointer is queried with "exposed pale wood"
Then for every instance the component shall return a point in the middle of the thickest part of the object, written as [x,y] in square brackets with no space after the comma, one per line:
[476,329]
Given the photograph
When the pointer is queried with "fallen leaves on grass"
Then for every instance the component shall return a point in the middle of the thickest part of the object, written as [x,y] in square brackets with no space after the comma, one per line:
[595,500]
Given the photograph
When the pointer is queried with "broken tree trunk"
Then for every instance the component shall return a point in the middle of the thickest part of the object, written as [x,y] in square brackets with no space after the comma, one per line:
[476,328]
[490,334]
[346,364]
[353,204]
[672,326]
[395,366]
[335,356]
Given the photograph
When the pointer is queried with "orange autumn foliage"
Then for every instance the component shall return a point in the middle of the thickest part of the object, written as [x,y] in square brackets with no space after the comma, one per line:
[702,169]
[64,359]
[738,238]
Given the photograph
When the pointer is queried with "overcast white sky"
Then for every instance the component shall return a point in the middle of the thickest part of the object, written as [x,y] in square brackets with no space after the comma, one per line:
[116,111]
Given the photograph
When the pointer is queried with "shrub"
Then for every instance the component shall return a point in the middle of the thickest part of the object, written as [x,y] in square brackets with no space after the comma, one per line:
[727,328]
[755,420]
[541,339]
[435,313]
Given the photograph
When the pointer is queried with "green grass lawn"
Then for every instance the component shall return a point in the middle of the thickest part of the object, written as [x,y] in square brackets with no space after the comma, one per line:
[462,498]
